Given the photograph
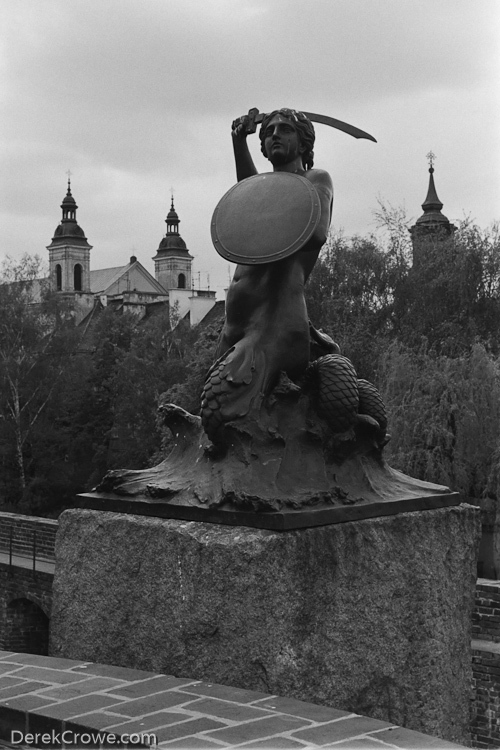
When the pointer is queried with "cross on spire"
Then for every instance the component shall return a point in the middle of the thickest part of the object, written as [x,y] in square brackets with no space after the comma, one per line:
[69,173]
[431,156]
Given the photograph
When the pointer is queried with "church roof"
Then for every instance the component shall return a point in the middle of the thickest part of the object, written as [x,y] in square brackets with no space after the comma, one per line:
[214,315]
[172,244]
[68,232]
[102,278]
[433,225]
[432,205]
[172,215]
[68,199]
[131,277]
[65,232]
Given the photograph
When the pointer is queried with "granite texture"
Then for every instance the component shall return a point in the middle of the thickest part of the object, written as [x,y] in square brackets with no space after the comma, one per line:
[370,616]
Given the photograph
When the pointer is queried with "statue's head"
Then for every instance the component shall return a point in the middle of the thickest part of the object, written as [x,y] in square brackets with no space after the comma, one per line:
[302,125]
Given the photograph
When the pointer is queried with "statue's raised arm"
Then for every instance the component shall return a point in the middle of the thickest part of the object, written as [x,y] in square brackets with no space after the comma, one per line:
[277,223]
[242,157]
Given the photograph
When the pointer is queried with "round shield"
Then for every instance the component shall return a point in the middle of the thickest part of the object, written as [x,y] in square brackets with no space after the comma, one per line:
[265,218]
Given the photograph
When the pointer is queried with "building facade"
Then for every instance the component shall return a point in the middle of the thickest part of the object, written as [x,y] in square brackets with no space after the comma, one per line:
[128,287]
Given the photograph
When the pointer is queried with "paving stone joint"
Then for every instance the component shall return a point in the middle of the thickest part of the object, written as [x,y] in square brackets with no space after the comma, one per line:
[40,694]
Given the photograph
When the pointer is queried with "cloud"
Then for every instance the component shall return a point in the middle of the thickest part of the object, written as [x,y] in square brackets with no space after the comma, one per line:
[105,74]
[137,96]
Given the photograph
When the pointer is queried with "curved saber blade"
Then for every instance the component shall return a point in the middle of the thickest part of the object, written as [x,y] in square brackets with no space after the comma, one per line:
[254,117]
[339,125]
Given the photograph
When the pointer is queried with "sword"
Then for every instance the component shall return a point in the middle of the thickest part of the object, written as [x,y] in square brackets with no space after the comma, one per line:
[254,117]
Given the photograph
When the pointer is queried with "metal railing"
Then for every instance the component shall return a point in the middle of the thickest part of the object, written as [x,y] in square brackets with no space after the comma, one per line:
[33,551]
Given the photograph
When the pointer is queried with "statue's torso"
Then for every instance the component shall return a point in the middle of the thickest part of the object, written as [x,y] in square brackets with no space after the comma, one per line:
[265,305]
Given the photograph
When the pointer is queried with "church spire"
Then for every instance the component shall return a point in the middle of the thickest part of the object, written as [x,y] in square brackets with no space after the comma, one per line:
[69,251]
[69,204]
[173,260]
[432,206]
[432,224]
[69,227]
[432,202]
[172,221]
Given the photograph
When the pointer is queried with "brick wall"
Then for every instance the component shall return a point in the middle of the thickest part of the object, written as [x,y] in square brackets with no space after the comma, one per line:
[485,724]
[486,618]
[22,529]
[25,607]
[26,628]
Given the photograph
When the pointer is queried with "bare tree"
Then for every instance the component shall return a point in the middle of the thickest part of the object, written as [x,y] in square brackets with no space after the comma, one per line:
[28,368]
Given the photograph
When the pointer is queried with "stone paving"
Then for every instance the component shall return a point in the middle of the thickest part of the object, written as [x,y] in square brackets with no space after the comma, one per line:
[81,704]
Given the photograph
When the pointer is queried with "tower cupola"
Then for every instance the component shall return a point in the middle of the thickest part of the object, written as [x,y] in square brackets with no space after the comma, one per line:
[69,251]
[69,226]
[69,206]
[173,260]
[172,221]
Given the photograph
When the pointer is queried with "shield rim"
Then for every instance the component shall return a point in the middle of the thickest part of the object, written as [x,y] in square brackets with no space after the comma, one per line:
[292,248]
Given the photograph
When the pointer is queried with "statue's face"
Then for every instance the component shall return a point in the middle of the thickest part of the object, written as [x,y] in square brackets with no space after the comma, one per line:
[282,141]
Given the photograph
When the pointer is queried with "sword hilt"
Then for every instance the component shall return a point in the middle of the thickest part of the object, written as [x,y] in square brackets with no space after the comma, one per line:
[254,117]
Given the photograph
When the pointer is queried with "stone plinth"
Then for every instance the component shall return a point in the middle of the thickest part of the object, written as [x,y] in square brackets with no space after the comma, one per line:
[370,616]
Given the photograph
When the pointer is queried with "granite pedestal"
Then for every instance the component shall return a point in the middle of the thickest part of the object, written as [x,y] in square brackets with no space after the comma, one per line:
[371,616]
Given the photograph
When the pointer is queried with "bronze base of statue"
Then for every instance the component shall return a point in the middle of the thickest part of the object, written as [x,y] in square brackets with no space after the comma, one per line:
[285,520]
[281,468]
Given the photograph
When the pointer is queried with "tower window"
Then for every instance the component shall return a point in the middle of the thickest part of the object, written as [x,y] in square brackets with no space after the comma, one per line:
[78,278]
[58,278]
[181,281]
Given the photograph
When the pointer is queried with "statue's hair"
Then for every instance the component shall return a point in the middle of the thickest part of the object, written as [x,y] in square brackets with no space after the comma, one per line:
[305,130]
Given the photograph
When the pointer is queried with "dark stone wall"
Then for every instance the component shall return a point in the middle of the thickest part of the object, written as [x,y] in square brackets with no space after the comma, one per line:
[26,628]
[25,595]
[25,608]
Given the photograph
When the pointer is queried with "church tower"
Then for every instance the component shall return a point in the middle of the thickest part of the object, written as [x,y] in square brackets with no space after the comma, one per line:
[172,260]
[432,227]
[69,252]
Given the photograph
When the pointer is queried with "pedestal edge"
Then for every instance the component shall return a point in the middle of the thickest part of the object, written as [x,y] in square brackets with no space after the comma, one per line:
[283,520]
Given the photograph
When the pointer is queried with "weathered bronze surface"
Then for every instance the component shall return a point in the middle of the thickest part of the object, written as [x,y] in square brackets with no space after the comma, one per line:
[284,520]
[288,436]
[279,461]
[266,331]
[254,117]
[265,218]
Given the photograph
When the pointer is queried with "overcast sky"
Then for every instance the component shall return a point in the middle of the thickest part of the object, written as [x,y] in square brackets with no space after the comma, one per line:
[137,96]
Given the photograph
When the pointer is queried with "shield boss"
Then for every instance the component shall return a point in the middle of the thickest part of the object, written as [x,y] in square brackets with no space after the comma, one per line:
[265,218]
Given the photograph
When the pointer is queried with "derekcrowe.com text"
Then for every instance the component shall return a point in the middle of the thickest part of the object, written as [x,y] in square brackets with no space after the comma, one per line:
[68,738]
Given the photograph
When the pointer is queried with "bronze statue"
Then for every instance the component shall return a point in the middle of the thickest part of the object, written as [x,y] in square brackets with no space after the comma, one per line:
[267,330]
[286,425]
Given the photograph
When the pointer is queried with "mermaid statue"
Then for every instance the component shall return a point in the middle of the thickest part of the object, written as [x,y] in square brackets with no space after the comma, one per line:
[267,332]
[285,423]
